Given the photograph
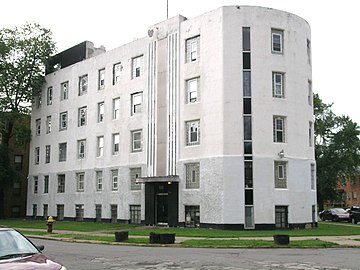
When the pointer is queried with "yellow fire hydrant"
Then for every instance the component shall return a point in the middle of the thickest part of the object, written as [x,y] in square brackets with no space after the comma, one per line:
[49,223]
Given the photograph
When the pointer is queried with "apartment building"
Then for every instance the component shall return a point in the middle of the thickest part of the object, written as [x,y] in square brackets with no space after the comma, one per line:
[204,122]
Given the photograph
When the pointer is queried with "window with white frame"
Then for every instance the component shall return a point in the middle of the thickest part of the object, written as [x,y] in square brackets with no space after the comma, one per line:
[47,153]
[99,180]
[277,37]
[278,85]
[134,174]
[48,124]
[192,175]
[193,132]
[80,181]
[100,146]
[38,126]
[37,155]
[312,175]
[82,116]
[136,139]
[279,129]
[49,95]
[192,49]
[38,100]
[61,183]
[193,90]
[62,151]
[64,90]
[101,83]
[116,108]
[354,195]
[46,184]
[280,174]
[136,103]
[36,184]
[63,121]
[310,94]
[137,66]
[114,179]
[117,72]
[116,143]
[81,146]
[135,214]
[83,84]
[101,111]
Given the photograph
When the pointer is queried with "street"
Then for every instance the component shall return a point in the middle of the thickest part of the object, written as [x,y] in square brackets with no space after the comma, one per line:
[95,257]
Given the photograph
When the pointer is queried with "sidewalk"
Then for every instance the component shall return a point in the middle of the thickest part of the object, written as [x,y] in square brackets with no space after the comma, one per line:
[340,240]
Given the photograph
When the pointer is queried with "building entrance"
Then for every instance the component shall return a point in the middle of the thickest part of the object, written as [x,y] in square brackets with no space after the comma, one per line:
[162,208]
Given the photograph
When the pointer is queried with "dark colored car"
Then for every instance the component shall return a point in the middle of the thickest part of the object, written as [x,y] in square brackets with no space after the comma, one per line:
[355,213]
[18,252]
[335,214]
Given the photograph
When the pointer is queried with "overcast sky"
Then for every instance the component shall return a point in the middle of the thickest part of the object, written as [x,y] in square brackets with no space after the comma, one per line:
[112,23]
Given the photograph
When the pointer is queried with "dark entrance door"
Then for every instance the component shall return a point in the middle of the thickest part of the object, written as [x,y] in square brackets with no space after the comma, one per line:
[162,208]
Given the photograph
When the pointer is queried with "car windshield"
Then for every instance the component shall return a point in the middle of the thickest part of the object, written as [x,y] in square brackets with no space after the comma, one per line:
[13,244]
[339,211]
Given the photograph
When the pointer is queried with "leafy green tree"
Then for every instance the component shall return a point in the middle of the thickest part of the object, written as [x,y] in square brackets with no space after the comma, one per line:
[337,150]
[24,52]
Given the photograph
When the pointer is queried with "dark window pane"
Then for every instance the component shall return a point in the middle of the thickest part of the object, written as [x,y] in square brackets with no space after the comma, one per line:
[248,174]
[247,105]
[249,197]
[246,60]
[247,83]
[247,128]
[246,38]
[248,148]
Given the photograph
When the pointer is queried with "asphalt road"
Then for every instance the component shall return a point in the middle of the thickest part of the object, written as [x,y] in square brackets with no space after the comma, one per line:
[95,257]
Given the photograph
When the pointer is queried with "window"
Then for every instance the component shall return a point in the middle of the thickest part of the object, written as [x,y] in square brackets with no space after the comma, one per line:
[34,210]
[135,173]
[99,180]
[114,179]
[278,85]
[62,151]
[247,128]
[279,129]
[48,124]
[46,184]
[310,133]
[280,174]
[45,211]
[277,41]
[98,213]
[38,100]
[15,211]
[113,213]
[248,174]
[281,217]
[47,153]
[59,212]
[246,60]
[136,101]
[38,126]
[81,148]
[192,90]
[137,66]
[354,195]
[101,83]
[63,121]
[308,50]
[312,173]
[61,183]
[82,116]
[80,180]
[117,72]
[100,146]
[247,83]
[49,95]
[192,216]
[101,111]
[116,108]
[36,184]
[310,93]
[192,49]
[64,91]
[136,141]
[79,212]
[193,132]
[37,155]
[135,214]
[192,175]
[16,188]
[83,84]
[116,143]
[18,162]
[246,39]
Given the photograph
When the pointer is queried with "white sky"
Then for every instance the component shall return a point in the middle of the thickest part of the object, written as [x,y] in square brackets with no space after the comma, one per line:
[112,23]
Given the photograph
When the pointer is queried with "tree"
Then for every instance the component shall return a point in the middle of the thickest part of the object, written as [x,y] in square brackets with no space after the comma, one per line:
[24,53]
[337,150]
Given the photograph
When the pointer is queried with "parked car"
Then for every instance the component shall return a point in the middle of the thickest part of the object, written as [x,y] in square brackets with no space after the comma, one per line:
[355,213]
[335,214]
[18,252]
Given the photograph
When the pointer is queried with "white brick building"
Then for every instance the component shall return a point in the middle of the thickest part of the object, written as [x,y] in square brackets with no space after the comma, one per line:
[206,121]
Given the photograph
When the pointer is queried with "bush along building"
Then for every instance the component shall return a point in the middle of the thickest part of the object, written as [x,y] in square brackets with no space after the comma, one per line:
[204,122]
